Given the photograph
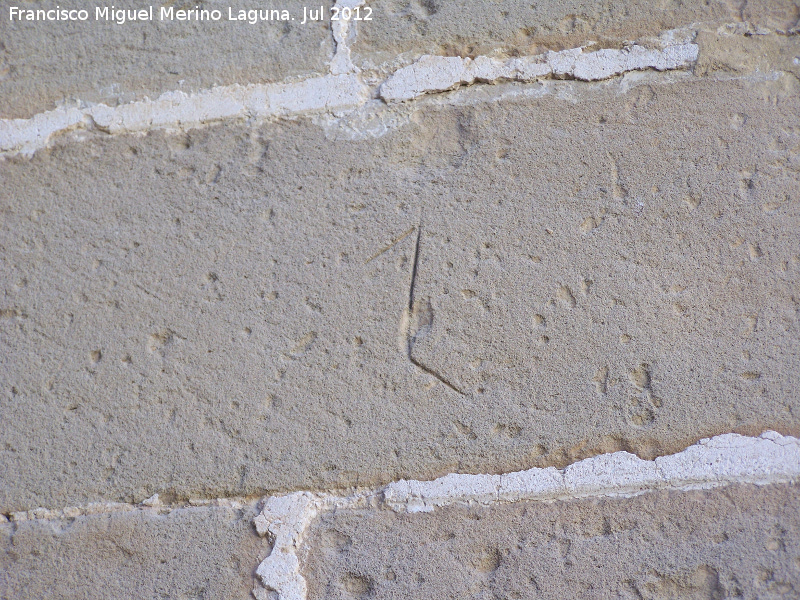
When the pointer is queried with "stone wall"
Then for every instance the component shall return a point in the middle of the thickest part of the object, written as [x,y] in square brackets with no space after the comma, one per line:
[471,299]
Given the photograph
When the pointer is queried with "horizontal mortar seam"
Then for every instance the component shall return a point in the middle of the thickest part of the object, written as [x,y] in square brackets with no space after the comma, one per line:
[711,463]
[333,94]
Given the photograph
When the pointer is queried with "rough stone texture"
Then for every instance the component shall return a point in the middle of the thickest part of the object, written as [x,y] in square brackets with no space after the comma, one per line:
[190,553]
[738,542]
[402,272]
[43,64]
[470,27]
[599,267]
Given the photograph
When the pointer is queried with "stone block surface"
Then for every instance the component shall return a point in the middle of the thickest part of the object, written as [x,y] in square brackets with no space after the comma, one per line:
[188,553]
[47,64]
[737,542]
[401,277]
[410,28]
[490,287]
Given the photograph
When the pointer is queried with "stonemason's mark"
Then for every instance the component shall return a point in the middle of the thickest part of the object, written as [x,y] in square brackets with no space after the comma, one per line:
[418,316]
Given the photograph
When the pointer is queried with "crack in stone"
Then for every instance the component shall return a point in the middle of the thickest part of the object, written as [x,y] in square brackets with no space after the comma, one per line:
[390,245]
[414,268]
[433,373]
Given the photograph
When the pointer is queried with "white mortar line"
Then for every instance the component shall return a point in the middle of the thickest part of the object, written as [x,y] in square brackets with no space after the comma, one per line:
[152,504]
[181,111]
[342,34]
[343,92]
[338,93]
[440,73]
[719,461]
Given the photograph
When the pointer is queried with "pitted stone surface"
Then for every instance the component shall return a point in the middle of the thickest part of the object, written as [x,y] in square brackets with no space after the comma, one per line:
[742,542]
[399,278]
[201,552]
[221,312]
[770,459]
[44,64]
[411,28]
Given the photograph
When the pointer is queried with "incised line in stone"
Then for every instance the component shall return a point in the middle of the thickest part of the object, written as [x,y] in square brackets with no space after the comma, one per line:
[411,339]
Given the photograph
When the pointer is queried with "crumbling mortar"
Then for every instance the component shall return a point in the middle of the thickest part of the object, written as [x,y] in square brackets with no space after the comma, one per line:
[152,504]
[341,30]
[720,461]
[343,91]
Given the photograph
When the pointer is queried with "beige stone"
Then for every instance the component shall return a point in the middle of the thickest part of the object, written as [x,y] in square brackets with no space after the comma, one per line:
[44,64]
[410,28]
[731,54]
[188,553]
[736,542]
[224,311]
[400,276]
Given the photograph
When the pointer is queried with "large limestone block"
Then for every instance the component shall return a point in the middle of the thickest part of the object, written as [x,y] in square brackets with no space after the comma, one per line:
[737,542]
[491,286]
